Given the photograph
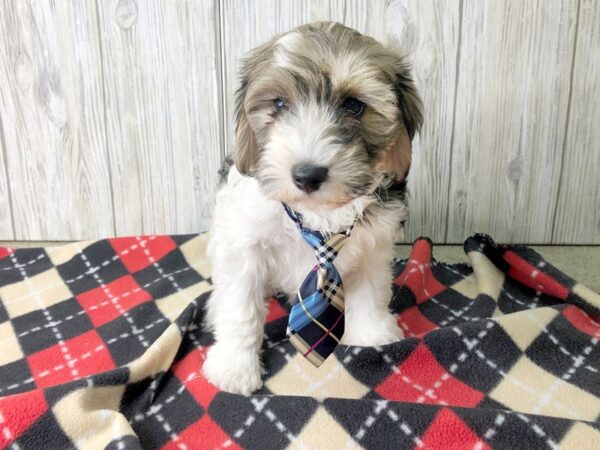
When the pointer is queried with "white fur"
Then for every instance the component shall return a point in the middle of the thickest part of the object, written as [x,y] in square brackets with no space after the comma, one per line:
[256,251]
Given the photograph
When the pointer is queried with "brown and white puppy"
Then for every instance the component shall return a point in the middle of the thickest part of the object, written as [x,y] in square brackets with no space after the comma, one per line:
[324,121]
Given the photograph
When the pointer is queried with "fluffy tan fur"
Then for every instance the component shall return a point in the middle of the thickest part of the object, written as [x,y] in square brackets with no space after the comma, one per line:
[314,68]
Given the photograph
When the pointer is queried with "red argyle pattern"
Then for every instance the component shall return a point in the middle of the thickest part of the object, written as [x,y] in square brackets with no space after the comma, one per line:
[102,345]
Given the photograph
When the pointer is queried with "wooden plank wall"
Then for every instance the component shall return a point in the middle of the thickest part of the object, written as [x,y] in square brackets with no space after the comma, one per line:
[162,101]
[52,110]
[511,116]
[578,204]
[115,115]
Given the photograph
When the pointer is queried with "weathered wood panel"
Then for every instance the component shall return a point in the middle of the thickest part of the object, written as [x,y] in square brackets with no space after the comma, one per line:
[577,217]
[161,74]
[6,228]
[511,112]
[426,31]
[114,115]
[51,102]
[432,38]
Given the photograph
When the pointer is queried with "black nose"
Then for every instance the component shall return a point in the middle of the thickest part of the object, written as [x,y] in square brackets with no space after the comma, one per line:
[309,178]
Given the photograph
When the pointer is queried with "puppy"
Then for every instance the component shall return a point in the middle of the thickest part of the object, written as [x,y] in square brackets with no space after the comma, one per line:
[324,122]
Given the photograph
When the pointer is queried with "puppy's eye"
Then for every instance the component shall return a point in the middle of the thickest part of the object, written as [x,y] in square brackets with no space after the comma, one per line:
[354,106]
[279,105]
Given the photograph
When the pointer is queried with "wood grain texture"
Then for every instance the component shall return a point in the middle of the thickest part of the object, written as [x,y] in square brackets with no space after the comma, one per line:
[577,217]
[432,38]
[513,94]
[160,65]
[6,228]
[53,120]
[426,31]
[115,115]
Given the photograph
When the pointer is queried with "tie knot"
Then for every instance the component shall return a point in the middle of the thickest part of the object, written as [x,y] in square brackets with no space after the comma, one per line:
[326,246]
[329,248]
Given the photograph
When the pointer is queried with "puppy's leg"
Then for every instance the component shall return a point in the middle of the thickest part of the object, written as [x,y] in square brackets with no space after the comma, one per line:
[236,313]
[368,293]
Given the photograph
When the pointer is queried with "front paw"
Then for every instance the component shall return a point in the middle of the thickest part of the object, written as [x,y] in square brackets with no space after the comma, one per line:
[235,371]
[369,332]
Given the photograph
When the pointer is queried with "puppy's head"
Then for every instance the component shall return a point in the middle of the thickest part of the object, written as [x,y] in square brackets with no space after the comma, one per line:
[324,115]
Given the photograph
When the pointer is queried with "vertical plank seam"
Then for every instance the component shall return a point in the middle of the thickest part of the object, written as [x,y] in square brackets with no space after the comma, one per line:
[105,103]
[11,210]
[566,134]
[221,74]
[454,107]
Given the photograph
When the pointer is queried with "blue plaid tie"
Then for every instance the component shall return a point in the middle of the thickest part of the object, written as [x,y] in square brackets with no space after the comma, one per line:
[316,322]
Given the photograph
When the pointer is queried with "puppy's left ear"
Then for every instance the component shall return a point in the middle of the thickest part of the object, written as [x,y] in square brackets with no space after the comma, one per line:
[396,159]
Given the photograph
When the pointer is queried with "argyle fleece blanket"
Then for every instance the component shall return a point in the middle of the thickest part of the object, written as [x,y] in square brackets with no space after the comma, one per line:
[101,346]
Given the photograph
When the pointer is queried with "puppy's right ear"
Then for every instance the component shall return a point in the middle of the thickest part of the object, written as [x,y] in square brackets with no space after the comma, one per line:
[245,152]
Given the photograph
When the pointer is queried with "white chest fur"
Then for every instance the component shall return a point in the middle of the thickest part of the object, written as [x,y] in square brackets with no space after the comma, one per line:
[249,225]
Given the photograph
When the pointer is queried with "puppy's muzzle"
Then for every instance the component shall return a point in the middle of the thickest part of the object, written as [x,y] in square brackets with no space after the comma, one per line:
[308,177]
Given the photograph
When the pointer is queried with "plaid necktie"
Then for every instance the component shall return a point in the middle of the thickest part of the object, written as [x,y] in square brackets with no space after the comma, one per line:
[316,322]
